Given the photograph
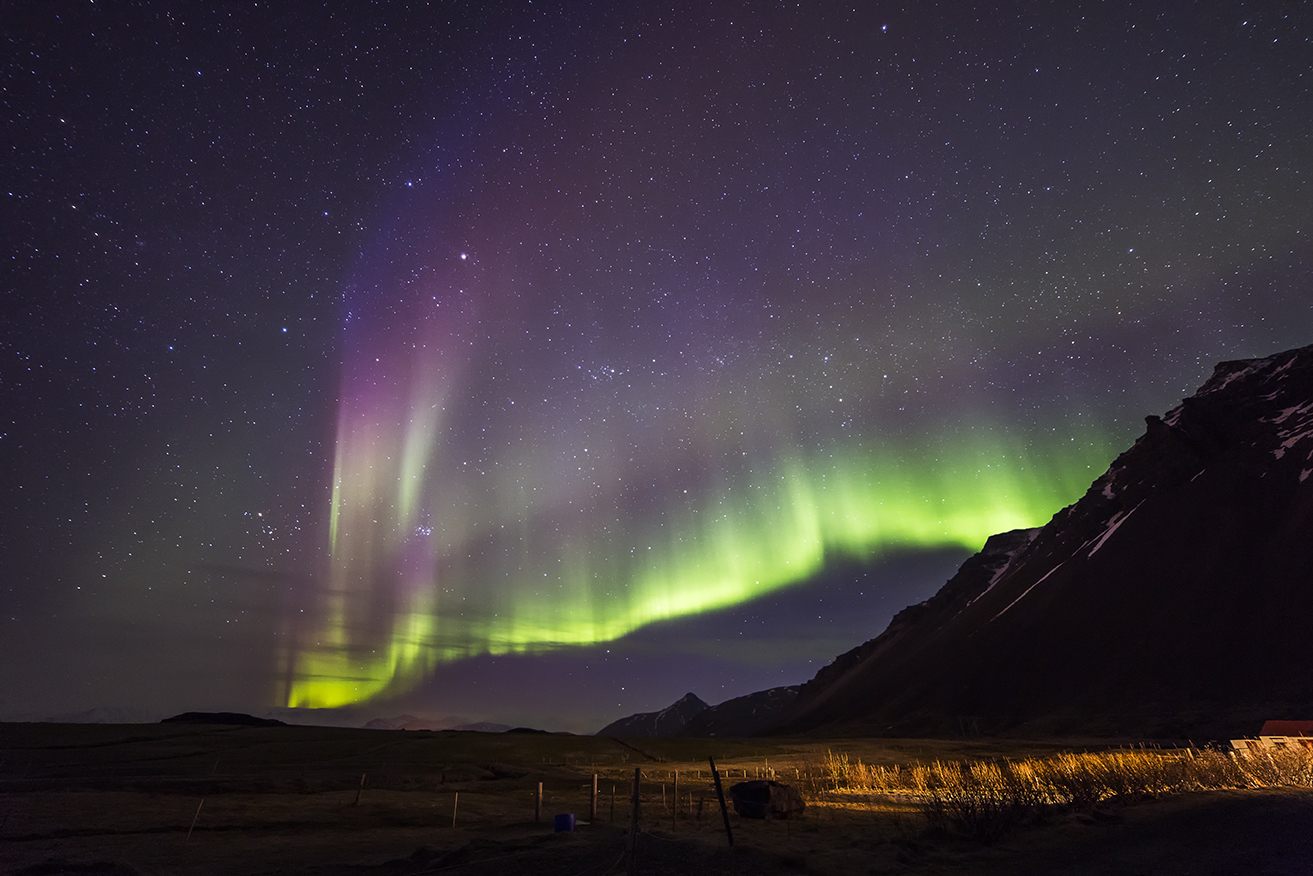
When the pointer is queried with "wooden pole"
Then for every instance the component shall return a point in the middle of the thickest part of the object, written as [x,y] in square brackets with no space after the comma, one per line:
[631,851]
[674,798]
[592,802]
[360,791]
[454,804]
[612,818]
[720,795]
[538,804]
[193,818]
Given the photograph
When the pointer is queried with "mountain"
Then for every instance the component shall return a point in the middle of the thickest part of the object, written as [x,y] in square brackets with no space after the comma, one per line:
[106,715]
[667,722]
[741,716]
[483,727]
[405,722]
[451,722]
[690,716]
[223,718]
[1175,598]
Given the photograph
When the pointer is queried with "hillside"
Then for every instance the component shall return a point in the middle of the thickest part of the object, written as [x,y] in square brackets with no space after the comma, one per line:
[1173,599]
[667,722]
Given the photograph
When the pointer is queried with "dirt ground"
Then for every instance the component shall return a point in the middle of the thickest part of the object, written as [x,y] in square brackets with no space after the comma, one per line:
[196,800]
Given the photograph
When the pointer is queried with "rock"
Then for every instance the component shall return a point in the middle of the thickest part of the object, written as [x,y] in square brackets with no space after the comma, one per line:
[766,798]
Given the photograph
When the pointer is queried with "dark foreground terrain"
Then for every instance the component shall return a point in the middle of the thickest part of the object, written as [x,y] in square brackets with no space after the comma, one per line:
[196,799]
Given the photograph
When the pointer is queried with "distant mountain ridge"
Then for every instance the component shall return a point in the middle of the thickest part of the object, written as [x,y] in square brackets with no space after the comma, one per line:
[741,716]
[412,722]
[237,719]
[1175,598]
[106,715]
[667,722]
[690,716]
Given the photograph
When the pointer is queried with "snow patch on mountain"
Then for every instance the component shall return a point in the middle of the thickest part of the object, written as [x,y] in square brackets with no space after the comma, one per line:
[1113,525]
[1287,413]
[1232,377]
[1007,558]
[1027,590]
[1291,442]
[1282,368]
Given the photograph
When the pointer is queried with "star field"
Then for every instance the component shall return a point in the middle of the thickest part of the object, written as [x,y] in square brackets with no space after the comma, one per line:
[414,354]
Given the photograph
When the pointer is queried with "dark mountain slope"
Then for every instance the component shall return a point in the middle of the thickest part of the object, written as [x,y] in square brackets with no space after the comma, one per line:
[690,716]
[741,716]
[1174,598]
[667,722]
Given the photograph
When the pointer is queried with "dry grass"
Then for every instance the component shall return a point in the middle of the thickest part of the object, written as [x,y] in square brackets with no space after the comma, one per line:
[985,799]
[284,799]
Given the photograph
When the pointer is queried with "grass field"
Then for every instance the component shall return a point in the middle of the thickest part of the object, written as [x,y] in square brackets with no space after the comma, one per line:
[196,799]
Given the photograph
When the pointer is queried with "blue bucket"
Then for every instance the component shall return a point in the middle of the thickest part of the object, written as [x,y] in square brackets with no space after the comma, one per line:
[565,823]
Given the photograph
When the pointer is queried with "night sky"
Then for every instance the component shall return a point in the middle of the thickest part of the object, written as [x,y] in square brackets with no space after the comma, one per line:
[541,362]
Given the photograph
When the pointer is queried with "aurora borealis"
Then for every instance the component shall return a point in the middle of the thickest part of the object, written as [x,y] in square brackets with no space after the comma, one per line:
[536,364]
[581,559]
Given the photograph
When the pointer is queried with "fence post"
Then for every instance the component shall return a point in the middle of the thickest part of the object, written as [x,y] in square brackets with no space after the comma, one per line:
[631,852]
[538,804]
[674,802]
[592,802]
[720,795]
[189,830]
[360,791]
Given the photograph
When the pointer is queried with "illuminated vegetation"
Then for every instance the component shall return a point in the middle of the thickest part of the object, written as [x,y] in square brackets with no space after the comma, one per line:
[984,799]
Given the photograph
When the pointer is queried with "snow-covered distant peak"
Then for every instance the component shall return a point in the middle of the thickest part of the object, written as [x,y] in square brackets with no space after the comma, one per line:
[1228,373]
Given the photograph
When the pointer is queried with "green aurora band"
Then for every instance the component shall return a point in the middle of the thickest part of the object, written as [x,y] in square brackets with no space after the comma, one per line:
[428,570]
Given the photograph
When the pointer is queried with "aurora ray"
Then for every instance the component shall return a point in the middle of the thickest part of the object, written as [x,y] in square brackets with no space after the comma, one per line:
[635,345]
[578,504]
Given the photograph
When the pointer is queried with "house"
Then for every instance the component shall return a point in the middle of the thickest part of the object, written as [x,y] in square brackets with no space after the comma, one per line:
[1278,734]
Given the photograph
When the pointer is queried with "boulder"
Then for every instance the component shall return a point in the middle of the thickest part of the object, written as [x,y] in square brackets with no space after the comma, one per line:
[766,798]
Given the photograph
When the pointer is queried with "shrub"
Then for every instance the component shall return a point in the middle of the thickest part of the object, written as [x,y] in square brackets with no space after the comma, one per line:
[984,799]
